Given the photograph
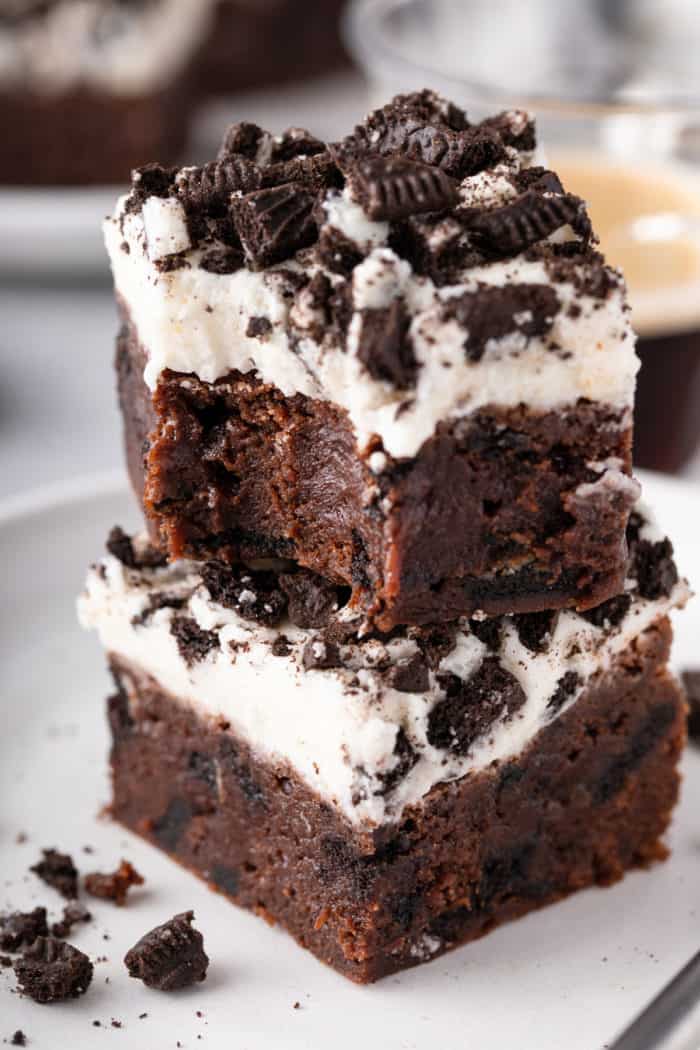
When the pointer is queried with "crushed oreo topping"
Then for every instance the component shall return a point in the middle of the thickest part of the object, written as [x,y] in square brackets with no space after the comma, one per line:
[488,631]
[51,970]
[493,312]
[532,217]
[20,929]
[655,569]
[194,643]
[312,600]
[120,546]
[411,676]
[320,654]
[385,347]
[611,613]
[406,760]
[535,629]
[170,956]
[255,596]
[468,709]
[115,885]
[566,687]
[392,188]
[72,915]
[222,260]
[259,328]
[274,223]
[58,870]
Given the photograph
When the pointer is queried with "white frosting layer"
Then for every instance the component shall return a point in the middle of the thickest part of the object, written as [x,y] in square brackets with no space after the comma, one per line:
[190,320]
[126,49]
[338,728]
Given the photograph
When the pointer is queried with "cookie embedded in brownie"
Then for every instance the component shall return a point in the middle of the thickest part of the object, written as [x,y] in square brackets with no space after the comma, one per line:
[90,90]
[350,783]
[397,360]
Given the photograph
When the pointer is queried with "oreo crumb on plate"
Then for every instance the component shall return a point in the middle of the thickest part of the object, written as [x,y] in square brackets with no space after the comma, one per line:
[169,956]
[18,1038]
[58,871]
[20,929]
[115,885]
[51,970]
[72,914]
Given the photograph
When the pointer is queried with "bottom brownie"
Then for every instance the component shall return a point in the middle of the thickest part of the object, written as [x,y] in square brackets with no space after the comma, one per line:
[588,798]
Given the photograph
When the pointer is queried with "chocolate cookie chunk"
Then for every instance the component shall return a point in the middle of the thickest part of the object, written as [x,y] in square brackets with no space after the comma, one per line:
[393,188]
[274,223]
[57,870]
[469,708]
[194,643]
[384,346]
[51,969]
[20,929]
[491,313]
[170,956]
[72,915]
[312,600]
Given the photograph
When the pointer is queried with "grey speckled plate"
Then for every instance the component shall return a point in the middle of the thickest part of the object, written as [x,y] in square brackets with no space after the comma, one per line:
[567,977]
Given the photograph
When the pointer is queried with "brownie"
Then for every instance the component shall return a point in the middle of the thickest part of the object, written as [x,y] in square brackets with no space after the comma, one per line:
[389,778]
[369,357]
[253,45]
[587,800]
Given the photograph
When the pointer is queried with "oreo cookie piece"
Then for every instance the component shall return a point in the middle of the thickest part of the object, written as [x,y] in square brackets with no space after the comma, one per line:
[120,545]
[406,760]
[194,643]
[514,128]
[246,140]
[610,613]
[535,629]
[170,956]
[320,654]
[566,687]
[312,600]
[510,229]
[412,676]
[394,188]
[51,970]
[296,142]
[72,915]
[468,709]
[222,260]
[655,569]
[493,312]
[384,346]
[274,223]
[255,596]
[208,189]
[58,870]
[21,928]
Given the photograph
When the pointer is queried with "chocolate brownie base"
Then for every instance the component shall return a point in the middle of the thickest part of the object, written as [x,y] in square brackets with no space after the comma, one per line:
[59,138]
[486,516]
[589,798]
[263,44]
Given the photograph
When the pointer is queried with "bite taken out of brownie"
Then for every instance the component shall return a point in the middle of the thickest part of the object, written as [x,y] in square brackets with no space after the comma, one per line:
[397,360]
[387,797]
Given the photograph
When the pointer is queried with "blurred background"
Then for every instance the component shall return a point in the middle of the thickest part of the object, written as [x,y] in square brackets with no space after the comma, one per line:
[91,88]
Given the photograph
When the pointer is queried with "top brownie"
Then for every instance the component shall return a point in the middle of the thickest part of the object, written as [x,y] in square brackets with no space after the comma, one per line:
[397,359]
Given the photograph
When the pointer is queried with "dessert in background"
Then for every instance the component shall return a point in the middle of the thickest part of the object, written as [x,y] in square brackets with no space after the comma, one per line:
[398,360]
[255,43]
[387,797]
[90,89]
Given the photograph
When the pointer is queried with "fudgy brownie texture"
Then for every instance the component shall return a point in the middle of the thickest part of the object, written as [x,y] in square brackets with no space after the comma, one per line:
[58,138]
[486,516]
[264,44]
[589,798]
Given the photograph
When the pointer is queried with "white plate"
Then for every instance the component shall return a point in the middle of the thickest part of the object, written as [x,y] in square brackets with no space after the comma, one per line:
[565,978]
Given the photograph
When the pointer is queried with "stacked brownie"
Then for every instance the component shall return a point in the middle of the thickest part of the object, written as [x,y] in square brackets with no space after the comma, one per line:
[391,659]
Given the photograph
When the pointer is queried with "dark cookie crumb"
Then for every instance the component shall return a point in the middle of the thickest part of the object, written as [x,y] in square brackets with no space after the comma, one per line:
[254,595]
[114,886]
[320,654]
[18,1038]
[394,187]
[20,929]
[120,545]
[51,970]
[170,956]
[194,643]
[57,870]
[468,709]
[535,629]
[281,646]
[610,613]
[258,328]
[493,313]
[412,676]
[385,348]
[5,961]
[655,569]
[311,599]
[566,687]
[72,914]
